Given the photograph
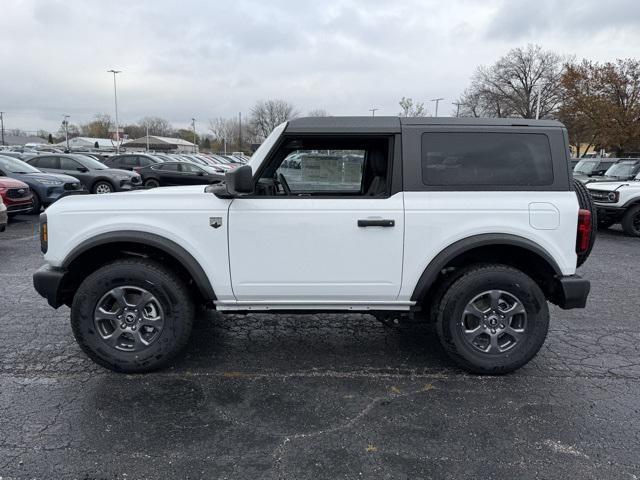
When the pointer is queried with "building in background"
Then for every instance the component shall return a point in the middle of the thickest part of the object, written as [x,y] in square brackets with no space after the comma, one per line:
[161,144]
[22,140]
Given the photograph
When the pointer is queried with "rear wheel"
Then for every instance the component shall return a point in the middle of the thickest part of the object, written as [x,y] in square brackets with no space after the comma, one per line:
[132,315]
[586,203]
[493,320]
[631,221]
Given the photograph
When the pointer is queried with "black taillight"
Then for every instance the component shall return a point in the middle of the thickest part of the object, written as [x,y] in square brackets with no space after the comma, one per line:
[44,233]
[583,238]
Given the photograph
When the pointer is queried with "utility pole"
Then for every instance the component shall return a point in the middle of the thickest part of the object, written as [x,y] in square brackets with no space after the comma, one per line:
[65,122]
[115,96]
[437,100]
[2,125]
[147,137]
[193,124]
[373,111]
[538,104]
[239,131]
[457,104]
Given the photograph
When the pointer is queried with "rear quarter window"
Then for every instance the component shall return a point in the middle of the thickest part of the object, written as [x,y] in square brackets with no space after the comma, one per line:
[486,159]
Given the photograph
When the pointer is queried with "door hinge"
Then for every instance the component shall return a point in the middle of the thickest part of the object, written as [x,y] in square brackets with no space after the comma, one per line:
[215,222]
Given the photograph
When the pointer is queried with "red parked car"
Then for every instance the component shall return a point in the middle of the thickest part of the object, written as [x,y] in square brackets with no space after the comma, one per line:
[16,195]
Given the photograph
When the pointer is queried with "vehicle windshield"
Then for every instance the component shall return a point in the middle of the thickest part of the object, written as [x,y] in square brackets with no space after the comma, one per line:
[13,165]
[90,163]
[621,169]
[265,147]
[585,166]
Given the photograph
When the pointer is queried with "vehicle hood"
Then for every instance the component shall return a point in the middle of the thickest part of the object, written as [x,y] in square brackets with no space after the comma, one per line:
[49,176]
[609,179]
[140,201]
[7,182]
[612,186]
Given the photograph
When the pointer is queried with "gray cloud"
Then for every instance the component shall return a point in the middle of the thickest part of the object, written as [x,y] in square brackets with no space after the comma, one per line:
[205,59]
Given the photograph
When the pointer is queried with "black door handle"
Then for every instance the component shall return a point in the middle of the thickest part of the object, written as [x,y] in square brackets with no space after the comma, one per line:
[378,222]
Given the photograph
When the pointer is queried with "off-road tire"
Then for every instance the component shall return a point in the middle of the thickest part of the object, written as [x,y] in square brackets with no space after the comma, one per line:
[586,203]
[167,287]
[463,290]
[631,216]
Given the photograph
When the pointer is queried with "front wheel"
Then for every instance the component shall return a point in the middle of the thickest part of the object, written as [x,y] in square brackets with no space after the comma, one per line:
[102,188]
[631,221]
[132,315]
[493,320]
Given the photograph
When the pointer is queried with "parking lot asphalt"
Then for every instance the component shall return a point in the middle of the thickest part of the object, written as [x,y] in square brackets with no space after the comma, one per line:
[321,396]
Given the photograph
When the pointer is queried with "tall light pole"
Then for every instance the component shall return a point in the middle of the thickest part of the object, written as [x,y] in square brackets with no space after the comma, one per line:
[2,126]
[193,124]
[373,111]
[66,129]
[437,100]
[538,103]
[239,131]
[115,97]
[147,137]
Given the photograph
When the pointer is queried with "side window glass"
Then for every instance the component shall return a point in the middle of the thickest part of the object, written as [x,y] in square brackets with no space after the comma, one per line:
[46,162]
[189,168]
[68,164]
[489,159]
[170,167]
[317,171]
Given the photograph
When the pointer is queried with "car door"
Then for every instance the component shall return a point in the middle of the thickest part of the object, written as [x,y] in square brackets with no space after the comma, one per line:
[330,242]
[169,174]
[70,166]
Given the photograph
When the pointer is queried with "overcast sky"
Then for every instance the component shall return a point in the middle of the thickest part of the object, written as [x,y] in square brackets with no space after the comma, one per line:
[204,59]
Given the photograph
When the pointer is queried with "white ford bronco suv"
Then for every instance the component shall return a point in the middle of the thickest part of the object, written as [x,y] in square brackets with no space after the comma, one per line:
[618,202]
[474,224]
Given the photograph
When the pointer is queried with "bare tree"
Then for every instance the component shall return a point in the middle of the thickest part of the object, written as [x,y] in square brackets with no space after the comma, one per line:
[266,115]
[318,112]
[510,87]
[98,127]
[157,126]
[225,132]
[411,109]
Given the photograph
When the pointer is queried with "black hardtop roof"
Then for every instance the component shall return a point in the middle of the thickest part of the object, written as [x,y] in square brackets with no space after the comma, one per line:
[394,124]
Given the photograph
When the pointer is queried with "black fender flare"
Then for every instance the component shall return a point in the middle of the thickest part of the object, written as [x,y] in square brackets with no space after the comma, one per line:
[433,269]
[156,241]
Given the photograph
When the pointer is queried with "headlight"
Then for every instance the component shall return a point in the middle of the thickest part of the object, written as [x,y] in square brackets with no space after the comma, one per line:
[613,197]
[51,183]
[123,177]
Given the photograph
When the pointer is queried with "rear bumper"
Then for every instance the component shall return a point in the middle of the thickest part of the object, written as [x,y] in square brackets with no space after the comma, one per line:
[48,283]
[572,292]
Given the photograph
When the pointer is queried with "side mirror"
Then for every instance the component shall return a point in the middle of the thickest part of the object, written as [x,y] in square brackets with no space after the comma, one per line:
[239,181]
[82,169]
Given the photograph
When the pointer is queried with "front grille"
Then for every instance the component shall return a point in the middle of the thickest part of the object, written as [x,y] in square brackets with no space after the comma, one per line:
[18,193]
[601,196]
[24,207]
[72,186]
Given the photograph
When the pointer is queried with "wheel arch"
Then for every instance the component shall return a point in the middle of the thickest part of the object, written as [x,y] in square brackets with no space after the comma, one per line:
[507,249]
[112,245]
